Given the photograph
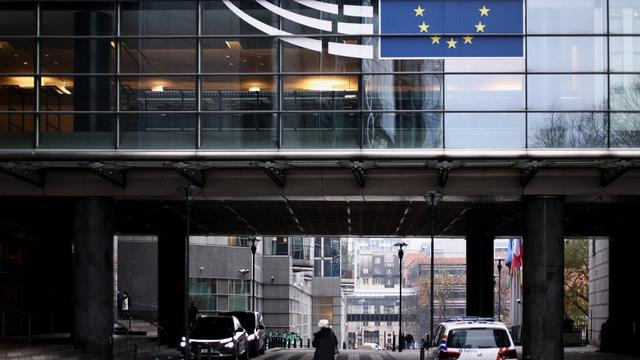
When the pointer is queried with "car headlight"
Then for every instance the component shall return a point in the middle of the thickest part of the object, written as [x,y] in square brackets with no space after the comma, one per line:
[229,345]
[251,337]
[183,344]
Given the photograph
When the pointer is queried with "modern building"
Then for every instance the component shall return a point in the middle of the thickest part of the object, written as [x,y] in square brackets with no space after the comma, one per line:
[313,119]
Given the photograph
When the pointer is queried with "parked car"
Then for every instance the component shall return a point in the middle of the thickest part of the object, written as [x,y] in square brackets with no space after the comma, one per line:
[253,323]
[471,339]
[218,336]
[369,346]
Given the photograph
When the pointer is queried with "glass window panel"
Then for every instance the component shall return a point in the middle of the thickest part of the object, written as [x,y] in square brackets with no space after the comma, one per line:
[403,92]
[566,17]
[239,55]
[153,17]
[17,56]
[158,56]
[484,65]
[484,92]
[158,131]
[77,131]
[297,59]
[70,56]
[239,131]
[321,93]
[484,130]
[78,18]
[624,17]
[567,54]
[17,18]
[625,53]
[16,130]
[77,93]
[625,92]
[625,130]
[402,130]
[567,130]
[154,93]
[16,93]
[567,92]
[321,130]
[239,93]
[218,19]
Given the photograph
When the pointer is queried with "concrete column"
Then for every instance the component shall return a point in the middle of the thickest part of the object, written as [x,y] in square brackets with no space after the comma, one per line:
[93,277]
[543,283]
[480,282]
[171,303]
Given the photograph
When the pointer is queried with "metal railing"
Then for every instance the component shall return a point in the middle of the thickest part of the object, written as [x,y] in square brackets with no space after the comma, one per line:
[20,315]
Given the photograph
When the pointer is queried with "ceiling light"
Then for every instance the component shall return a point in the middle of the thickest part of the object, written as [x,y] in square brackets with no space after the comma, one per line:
[157,88]
[254,88]
[233,45]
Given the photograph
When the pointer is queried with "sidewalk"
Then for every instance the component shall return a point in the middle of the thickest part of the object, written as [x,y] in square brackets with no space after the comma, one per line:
[570,353]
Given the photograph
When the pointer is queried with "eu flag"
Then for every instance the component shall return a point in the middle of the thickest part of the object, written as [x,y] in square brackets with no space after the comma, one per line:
[451,28]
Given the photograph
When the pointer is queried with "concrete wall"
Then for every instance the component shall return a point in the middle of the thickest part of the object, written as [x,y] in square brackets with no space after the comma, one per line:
[331,286]
[137,272]
[598,287]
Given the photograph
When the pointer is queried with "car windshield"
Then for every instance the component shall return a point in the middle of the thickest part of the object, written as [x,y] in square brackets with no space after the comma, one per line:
[480,338]
[247,320]
[213,328]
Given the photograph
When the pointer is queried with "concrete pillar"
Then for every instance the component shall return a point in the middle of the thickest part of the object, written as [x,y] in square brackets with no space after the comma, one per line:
[480,282]
[543,283]
[171,303]
[93,277]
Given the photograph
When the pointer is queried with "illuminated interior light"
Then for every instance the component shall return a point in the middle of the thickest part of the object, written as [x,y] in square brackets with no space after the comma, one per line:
[157,88]
[254,88]
[113,44]
[233,45]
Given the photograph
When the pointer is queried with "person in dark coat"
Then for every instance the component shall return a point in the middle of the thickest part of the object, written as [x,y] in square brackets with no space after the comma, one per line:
[325,342]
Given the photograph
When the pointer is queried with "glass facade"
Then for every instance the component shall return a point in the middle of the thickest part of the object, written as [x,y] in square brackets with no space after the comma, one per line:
[187,75]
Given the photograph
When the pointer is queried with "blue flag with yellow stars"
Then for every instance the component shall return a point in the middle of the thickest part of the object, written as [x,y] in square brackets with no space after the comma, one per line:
[451,28]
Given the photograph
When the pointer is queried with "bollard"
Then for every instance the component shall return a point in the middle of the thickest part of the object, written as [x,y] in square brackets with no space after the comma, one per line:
[309,343]
[136,351]
[393,346]
[422,352]
[288,343]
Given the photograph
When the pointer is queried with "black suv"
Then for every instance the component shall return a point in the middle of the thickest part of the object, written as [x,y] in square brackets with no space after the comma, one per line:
[252,322]
[218,336]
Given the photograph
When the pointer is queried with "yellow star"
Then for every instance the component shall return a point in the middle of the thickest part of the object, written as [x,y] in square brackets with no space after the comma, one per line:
[467,39]
[435,39]
[424,27]
[484,11]
[419,11]
[452,43]
[480,27]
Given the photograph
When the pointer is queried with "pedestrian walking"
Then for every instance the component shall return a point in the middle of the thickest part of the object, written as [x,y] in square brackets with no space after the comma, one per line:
[119,304]
[193,314]
[325,342]
[125,305]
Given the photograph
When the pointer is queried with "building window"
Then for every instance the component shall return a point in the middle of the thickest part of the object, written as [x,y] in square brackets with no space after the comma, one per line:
[202,292]
[239,294]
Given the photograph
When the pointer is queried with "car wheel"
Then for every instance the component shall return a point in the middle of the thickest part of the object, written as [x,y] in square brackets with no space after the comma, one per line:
[262,349]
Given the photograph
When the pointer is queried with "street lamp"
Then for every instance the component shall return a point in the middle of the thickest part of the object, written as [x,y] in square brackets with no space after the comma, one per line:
[253,240]
[432,198]
[499,284]
[187,191]
[400,255]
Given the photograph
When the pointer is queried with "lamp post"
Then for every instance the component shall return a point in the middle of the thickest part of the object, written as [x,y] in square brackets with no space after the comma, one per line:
[187,191]
[499,286]
[400,255]
[253,240]
[432,198]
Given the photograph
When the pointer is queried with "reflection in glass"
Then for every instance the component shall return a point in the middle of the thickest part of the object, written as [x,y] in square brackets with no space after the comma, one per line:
[567,130]
[484,130]
[70,56]
[480,65]
[403,92]
[77,93]
[239,93]
[567,92]
[484,92]
[239,55]
[297,59]
[17,56]
[321,130]
[321,93]
[625,53]
[625,130]
[239,131]
[176,93]
[17,18]
[624,17]
[77,131]
[16,127]
[625,92]
[403,130]
[158,55]
[154,17]
[16,93]
[566,17]
[158,131]
[16,131]
[567,54]
[78,18]
[217,19]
